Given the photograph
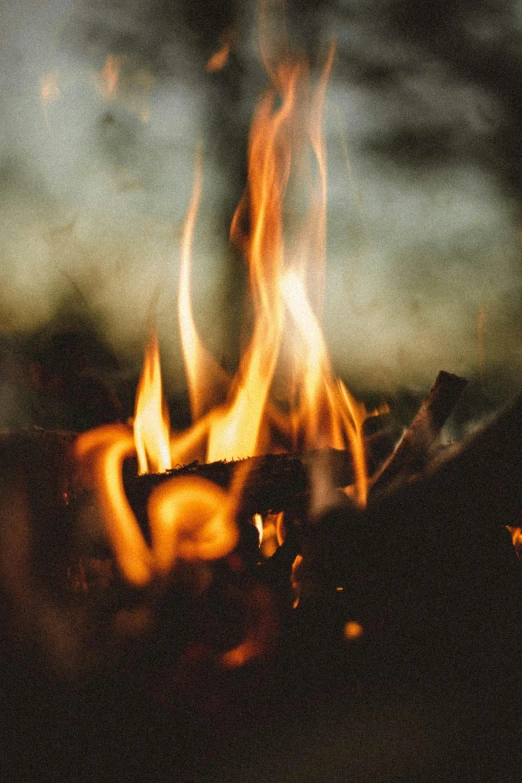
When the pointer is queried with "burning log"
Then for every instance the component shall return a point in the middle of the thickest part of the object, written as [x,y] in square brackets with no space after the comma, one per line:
[427,572]
[280,482]
[482,473]
[181,631]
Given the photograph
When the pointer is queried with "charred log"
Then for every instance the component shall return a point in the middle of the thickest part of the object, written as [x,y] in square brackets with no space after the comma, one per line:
[416,446]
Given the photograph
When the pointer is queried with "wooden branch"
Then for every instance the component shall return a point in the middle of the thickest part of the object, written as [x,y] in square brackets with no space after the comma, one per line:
[416,446]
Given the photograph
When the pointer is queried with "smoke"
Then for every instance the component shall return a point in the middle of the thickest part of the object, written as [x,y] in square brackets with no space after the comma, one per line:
[96,175]
[101,108]
[425,193]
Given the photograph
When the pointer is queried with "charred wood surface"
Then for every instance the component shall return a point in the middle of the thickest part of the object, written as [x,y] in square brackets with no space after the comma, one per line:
[427,570]
[416,446]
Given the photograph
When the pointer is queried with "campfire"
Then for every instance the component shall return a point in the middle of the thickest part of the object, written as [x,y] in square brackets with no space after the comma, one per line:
[284,590]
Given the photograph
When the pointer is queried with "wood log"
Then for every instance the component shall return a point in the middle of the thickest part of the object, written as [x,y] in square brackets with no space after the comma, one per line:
[279,482]
[428,572]
[428,568]
[415,448]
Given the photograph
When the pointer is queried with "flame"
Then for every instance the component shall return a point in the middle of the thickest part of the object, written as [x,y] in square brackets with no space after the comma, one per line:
[218,60]
[516,537]
[271,531]
[247,415]
[151,417]
[205,378]
[257,521]
[322,413]
[189,517]
[104,450]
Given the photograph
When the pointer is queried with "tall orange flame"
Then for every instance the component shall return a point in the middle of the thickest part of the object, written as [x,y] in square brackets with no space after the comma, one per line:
[205,378]
[248,415]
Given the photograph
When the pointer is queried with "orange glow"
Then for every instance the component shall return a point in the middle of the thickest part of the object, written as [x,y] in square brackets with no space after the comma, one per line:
[260,633]
[285,322]
[105,448]
[110,75]
[191,519]
[271,532]
[151,417]
[257,521]
[353,630]
[295,579]
[284,395]
[516,537]
[218,60]
[206,380]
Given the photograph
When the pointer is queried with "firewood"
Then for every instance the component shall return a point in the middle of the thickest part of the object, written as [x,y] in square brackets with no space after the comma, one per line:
[453,515]
[428,568]
[279,482]
[414,450]
[480,476]
[276,482]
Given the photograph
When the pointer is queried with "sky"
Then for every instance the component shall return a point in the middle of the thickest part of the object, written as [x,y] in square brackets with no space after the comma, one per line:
[423,126]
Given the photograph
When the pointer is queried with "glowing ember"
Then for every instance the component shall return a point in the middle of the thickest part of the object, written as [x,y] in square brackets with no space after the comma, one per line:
[353,630]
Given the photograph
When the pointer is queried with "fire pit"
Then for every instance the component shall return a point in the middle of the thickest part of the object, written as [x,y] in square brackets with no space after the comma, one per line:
[281,591]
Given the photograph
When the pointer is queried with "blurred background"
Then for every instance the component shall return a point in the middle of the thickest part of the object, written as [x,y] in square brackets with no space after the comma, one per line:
[101,108]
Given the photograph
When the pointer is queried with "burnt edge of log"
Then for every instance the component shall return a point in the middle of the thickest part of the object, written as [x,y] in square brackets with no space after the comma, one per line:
[275,482]
[280,482]
[415,448]
[481,473]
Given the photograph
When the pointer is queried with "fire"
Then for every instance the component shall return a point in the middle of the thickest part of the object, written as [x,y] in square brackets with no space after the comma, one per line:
[284,394]
[271,531]
[193,519]
[102,452]
[189,517]
[218,60]
[151,416]
[516,537]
